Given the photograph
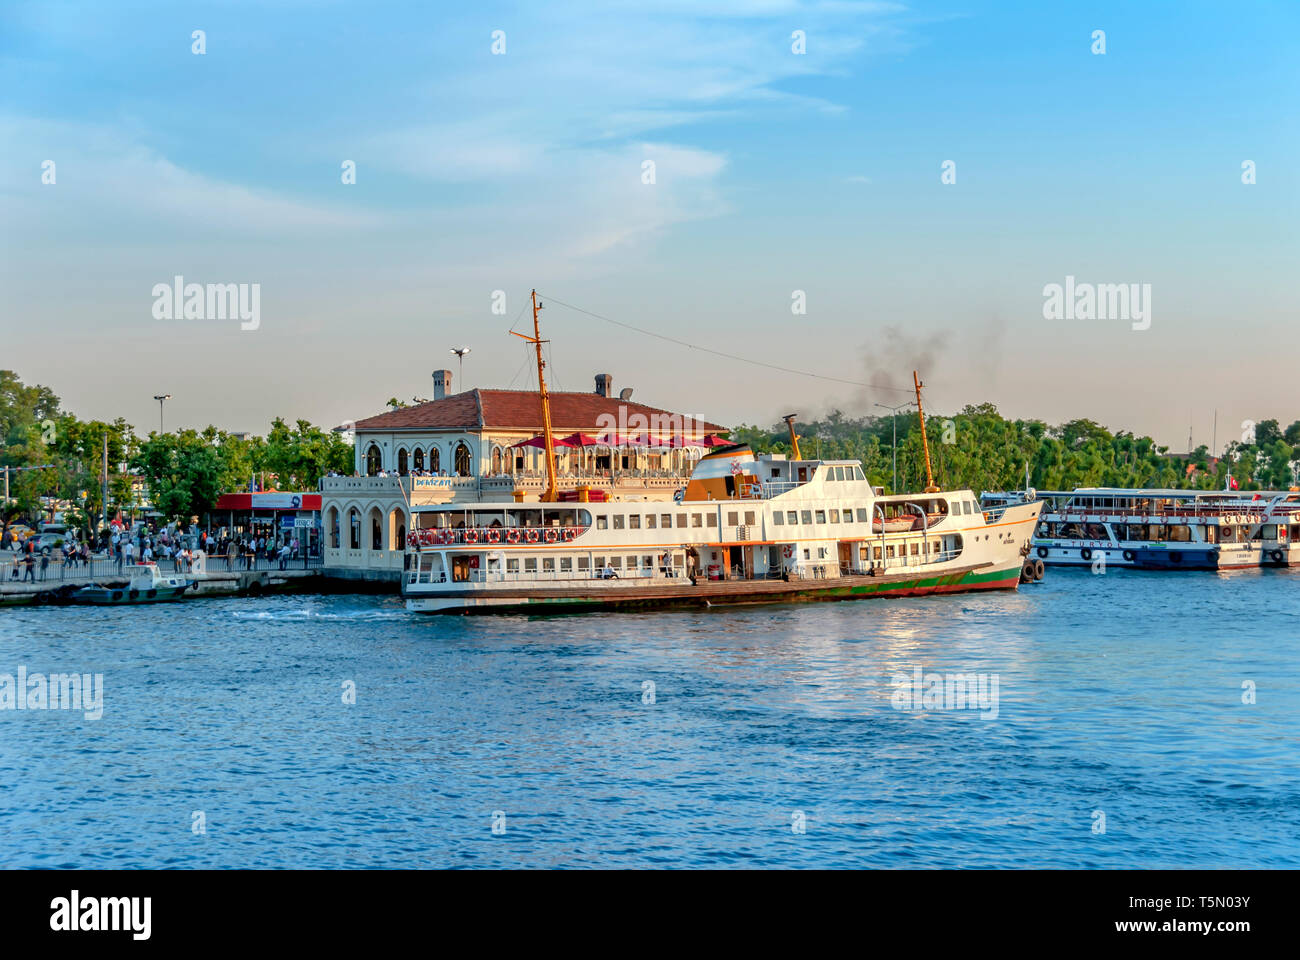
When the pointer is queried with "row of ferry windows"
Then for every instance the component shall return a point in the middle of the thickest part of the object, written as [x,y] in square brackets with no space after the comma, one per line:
[582,563]
[652,521]
[844,473]
[793,517]
[649,563]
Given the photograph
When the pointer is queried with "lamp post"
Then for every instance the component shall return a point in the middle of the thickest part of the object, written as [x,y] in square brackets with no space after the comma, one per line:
[161,398]
[894,411]
[460,355]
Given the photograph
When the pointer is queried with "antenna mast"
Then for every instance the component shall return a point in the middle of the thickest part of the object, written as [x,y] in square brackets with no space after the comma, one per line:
[550,494]
[925,443]
[794,437]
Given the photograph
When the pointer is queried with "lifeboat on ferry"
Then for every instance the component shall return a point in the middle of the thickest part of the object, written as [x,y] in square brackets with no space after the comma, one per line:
[896,524]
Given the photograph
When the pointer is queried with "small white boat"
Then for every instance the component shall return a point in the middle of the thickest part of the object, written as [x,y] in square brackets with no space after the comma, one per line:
[145,584]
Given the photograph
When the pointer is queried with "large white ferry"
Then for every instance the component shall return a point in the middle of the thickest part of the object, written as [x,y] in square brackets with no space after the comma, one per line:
[1165,529]
[746,528]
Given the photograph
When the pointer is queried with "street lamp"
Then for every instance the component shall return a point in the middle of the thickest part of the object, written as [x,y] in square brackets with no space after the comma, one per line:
[894,410]
[460,355]
[161,397]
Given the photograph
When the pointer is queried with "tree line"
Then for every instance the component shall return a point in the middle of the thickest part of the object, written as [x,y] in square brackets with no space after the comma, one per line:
[979,449]
[184,471]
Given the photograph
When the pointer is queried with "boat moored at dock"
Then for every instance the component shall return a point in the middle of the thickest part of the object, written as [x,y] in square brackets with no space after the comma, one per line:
[145,583]
[1164,529]
[746,528]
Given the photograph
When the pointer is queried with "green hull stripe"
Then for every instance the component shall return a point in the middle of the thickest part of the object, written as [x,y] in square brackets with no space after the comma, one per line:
[949,580]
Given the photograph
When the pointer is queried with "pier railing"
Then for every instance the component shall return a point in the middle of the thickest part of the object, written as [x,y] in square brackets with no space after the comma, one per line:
[109,568]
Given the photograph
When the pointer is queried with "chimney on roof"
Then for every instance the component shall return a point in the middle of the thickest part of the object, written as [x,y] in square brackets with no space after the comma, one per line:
[604,384]
[441,383]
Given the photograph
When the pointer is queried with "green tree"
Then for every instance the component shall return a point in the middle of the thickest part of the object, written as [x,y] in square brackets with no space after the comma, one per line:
[183,472]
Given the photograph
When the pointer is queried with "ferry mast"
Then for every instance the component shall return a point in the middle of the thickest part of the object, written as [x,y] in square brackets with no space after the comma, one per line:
[925,443]
[551,493]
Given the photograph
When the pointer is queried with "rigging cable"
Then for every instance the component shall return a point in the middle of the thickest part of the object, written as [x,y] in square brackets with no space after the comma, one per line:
[729,356]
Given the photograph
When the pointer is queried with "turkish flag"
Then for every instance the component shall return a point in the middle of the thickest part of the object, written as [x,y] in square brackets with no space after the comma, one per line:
[1232,483]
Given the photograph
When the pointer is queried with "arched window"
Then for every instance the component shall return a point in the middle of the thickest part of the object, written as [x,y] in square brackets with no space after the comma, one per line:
[417,459]
[374,461]
[496,462]
[435,460]
[354,529]
[332,527]
[462,459]
[401,461]
[376,531]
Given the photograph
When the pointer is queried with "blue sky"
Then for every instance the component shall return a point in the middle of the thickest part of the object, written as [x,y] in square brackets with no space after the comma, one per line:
[775,172]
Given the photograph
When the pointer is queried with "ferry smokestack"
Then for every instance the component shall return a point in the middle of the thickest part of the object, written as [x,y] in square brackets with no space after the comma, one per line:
[604,384]
[441,383]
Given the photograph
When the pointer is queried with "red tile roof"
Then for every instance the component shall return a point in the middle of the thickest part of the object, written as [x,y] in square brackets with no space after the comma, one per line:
[517,410]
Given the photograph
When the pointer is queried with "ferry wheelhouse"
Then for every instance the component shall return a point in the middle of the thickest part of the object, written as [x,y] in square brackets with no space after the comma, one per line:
[746,528]
[1166,529]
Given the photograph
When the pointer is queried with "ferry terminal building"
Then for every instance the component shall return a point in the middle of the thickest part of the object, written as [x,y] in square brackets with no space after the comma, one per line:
[462,446]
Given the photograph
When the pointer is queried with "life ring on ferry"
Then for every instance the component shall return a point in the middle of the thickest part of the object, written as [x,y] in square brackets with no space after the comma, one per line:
[569,534]
[530,535]
[787,551]
[428,537]
[512,536]
[552,535]
[493,536]
[412,539]
[1128,556]
[1042,552]
[1086,553]
[1276,556]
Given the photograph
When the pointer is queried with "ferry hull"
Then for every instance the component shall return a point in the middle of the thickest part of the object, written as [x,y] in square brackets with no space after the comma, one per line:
[728,593]
[1140,555]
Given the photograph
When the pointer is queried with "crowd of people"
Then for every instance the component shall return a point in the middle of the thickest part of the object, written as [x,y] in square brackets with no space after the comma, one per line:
[250,548]
[169,548]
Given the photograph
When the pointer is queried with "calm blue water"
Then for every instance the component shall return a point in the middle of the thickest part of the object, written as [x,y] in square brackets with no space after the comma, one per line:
[1119,693]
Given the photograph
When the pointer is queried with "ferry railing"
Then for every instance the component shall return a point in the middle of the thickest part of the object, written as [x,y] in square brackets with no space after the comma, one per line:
[773,488]
[907,561]
[498,536]
[1234,509]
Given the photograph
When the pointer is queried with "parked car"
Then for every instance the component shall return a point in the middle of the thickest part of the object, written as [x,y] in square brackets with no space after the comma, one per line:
[47,543]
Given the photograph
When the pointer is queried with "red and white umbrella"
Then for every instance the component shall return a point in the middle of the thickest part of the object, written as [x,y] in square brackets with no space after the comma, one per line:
[540,443]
